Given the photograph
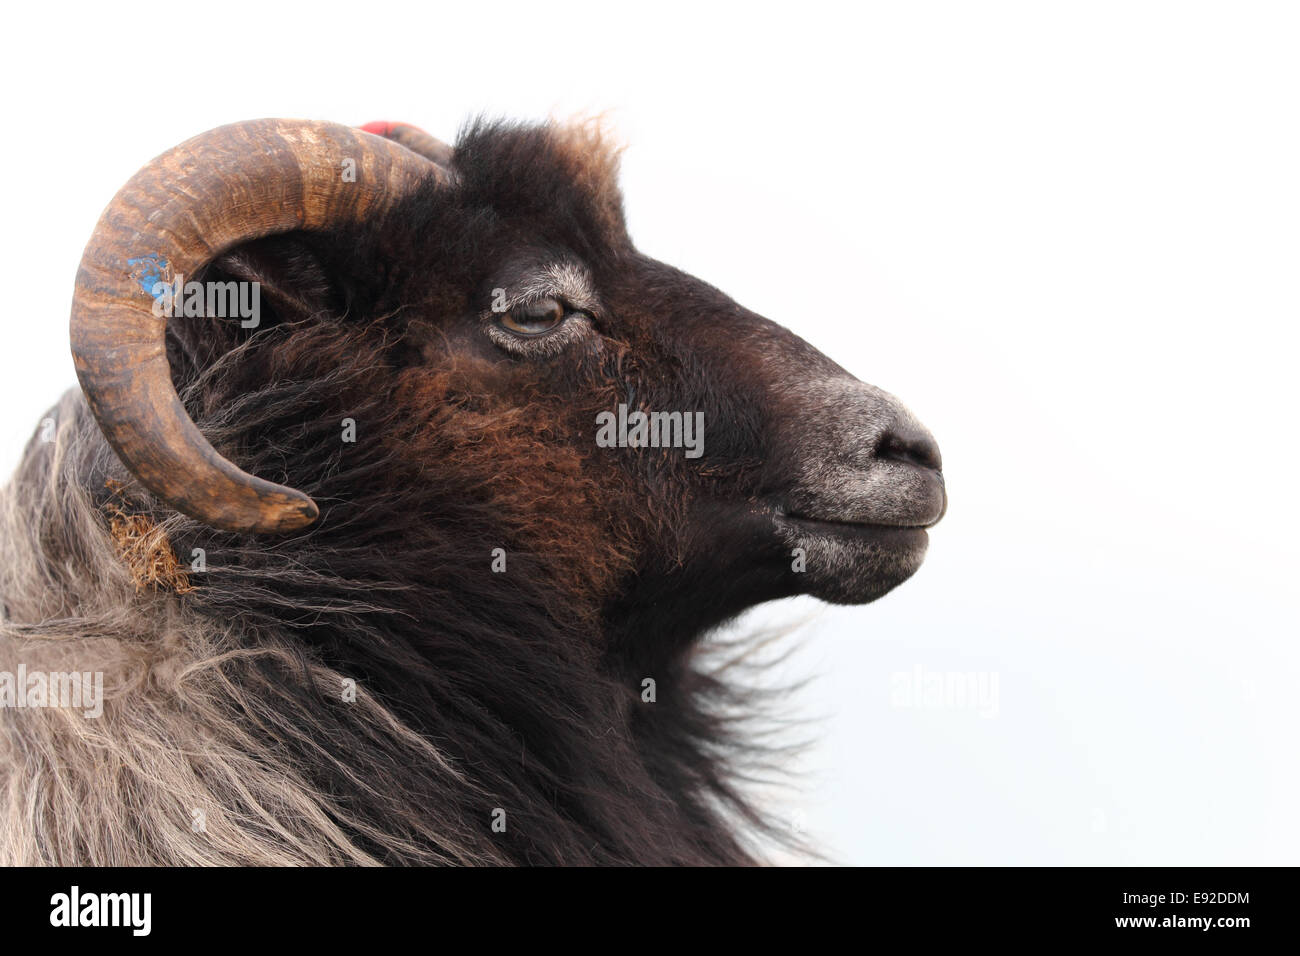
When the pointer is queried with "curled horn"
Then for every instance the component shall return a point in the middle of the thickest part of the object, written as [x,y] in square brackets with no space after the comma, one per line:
[191,204]
[414,139]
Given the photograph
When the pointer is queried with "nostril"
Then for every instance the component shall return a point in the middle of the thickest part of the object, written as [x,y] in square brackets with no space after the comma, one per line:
[914,446]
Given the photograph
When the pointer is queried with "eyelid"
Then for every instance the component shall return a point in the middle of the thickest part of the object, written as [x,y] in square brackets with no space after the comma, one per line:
[575,325]
[531,296]
[568,282]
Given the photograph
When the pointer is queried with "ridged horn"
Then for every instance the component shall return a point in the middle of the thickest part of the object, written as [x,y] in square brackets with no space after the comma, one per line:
[414,139]
[196,201]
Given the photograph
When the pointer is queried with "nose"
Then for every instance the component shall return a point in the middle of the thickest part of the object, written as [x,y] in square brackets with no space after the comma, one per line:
[912,445]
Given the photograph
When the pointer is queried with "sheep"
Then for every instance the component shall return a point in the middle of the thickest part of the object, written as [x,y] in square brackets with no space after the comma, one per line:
[360,582]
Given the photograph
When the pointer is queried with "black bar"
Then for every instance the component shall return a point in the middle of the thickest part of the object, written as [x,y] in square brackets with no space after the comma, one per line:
[975,906]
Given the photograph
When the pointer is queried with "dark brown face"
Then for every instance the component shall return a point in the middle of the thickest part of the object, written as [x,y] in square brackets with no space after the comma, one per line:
[824,484]
[708,454]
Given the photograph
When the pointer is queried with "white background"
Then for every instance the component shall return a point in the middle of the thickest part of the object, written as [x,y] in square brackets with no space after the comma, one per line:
[1067,235]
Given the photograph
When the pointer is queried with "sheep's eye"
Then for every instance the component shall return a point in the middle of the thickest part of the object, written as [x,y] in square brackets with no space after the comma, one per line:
[534,318]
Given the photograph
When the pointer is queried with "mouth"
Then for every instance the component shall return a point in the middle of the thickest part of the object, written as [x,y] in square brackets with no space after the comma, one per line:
[844,523]
[850,561]
[846,507]
[883,533]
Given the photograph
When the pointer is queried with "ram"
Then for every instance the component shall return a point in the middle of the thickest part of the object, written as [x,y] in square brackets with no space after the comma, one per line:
[359,581]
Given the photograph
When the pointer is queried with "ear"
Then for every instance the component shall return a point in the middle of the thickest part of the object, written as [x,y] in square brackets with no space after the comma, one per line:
[291,275]
[283,278]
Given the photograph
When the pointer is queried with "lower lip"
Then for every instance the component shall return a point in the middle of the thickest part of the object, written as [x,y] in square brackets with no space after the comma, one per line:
[876,532]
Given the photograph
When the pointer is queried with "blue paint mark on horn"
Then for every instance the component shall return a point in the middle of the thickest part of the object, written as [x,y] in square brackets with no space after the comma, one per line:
[149,271]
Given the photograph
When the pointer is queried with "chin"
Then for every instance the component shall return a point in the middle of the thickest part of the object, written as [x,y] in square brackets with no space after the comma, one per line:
[856,564]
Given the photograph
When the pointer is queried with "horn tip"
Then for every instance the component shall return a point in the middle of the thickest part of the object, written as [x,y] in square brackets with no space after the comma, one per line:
[297,515]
